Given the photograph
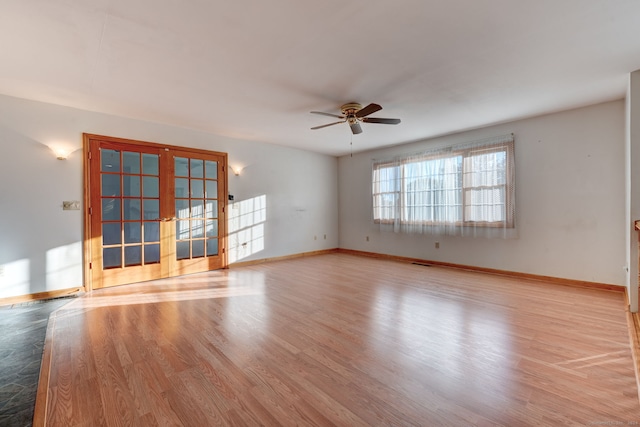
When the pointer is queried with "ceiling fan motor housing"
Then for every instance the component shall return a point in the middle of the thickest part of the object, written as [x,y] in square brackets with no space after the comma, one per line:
[351,108]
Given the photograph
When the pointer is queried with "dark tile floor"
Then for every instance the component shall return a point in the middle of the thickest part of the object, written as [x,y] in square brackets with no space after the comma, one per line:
[22,332]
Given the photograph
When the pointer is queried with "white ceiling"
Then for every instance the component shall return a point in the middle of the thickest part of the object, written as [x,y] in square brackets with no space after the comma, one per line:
[254,69]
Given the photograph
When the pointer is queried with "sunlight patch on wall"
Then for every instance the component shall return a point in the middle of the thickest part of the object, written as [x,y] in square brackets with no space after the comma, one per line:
[64,267]
[246,227]
[15,279]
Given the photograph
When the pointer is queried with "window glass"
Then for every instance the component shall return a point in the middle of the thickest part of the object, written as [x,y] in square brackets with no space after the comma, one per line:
[131,209]
[131,184]
[150,164]
[211,169]
[212,247]
[197,188]
[151,254]
[211,189]
[110,185]
[196,167]
[151,209]
[109,160]
[451,187]
[132,255]
[132,232]
[150,186]
[111,257]
[110,209]
[181,165]
[182,187]
[151,231]
[111,233]
[131,162]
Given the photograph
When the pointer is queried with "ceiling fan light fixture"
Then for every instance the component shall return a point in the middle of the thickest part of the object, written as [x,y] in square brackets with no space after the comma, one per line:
[354,113]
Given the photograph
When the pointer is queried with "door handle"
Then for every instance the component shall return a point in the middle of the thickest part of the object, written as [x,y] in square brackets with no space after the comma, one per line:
[168,219]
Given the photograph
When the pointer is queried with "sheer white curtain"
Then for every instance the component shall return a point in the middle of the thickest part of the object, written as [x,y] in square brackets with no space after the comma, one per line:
[466,190]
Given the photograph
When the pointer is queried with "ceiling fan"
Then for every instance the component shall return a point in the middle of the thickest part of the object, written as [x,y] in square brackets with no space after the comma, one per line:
[353,113]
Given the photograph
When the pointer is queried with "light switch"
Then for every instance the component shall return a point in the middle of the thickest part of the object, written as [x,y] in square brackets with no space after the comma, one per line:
[71,205]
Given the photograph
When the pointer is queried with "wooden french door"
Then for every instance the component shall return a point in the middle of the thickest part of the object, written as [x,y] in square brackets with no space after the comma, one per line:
[153,211]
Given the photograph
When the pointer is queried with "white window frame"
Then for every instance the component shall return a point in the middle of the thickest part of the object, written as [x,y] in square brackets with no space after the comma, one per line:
[392,199]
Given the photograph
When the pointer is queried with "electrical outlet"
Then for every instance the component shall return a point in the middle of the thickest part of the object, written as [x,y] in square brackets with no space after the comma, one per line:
[437,245]
[71,205]
[325,237]
[367,238]
[315,237]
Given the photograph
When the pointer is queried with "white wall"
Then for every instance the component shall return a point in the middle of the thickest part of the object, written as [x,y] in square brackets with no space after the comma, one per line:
[40,244]
[632,176]
[570,200]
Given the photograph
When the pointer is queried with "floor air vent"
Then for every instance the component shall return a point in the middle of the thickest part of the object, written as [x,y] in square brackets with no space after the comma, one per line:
[422,264]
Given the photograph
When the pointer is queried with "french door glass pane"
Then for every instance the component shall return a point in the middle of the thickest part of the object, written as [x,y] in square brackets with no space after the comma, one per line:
[131,162]
[111,233]
[151,254]
[212,247]
[109,161]
[110,185]
[111,257]
[182,250]
[212,209]
[151,209]
[182,187]
[212,228]
[131,209]
[150,164]
[211,189]
[132,255]
[181,166]
[197,248]
[151,232]
[151,187]
[197,188]
[196,168]
[132,232]
[211,169]
[182,230]
[182,208]
[197,209]
[197,229]
[131,186]
[110,209]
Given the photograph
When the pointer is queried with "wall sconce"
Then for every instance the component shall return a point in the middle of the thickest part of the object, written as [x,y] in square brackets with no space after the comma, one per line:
[61,152]
[236,170]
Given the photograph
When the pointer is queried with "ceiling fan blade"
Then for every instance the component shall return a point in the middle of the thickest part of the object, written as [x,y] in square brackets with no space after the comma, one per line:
[381,120]
[369,109]
[330,124]
[355,128]
[328,114]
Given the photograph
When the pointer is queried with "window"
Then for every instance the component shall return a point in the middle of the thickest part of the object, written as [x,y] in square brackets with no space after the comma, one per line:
[446,190]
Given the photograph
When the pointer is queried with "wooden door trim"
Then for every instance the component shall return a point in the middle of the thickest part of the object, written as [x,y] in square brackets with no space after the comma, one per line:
[86,217]
[156,145]
[88,138]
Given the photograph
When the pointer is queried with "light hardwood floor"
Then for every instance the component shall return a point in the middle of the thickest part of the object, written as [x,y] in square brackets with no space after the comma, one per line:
[341,340]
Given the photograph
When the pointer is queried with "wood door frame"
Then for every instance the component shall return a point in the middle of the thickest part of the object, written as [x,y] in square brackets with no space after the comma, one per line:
[87,192]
